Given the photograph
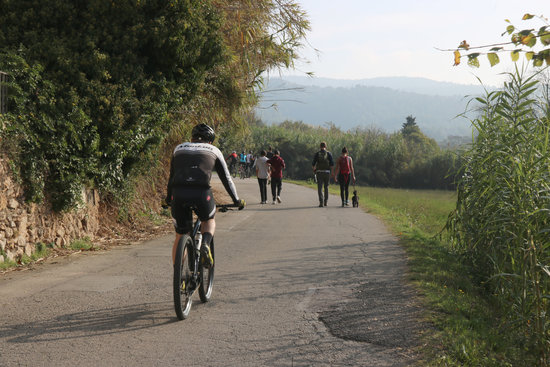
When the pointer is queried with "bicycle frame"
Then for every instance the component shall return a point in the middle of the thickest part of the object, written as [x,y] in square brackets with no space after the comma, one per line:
[197,240]
[195,276]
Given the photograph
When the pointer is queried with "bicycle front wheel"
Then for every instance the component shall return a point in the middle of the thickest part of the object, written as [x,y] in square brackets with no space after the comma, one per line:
[207,277]
[183,275]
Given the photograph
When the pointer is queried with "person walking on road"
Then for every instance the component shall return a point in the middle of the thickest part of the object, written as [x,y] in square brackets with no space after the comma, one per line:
[262,172]
[344,173]
[322,165]
[276,166]
[269,153]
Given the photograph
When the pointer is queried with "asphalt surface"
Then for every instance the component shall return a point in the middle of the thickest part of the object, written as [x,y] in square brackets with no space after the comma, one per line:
[295,285]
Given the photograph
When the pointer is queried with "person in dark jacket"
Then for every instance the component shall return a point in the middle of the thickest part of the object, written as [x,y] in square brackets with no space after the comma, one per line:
[276,166]
[322,165]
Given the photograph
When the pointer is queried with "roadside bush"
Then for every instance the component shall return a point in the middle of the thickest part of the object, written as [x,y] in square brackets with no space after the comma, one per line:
[502,218]
[92,84]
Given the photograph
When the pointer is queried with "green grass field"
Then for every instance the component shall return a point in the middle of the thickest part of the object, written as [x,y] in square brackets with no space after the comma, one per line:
[467,330]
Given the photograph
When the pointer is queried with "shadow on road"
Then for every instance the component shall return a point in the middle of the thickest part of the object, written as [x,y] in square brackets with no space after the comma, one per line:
[90,323]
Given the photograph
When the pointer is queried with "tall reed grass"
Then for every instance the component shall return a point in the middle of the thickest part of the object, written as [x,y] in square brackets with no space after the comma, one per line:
[501,223]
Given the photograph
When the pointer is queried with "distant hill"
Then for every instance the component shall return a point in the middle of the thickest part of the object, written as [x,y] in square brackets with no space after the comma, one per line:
[404,84]
[378,102]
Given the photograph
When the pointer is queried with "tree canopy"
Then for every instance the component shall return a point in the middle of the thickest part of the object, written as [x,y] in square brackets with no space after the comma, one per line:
[96,86]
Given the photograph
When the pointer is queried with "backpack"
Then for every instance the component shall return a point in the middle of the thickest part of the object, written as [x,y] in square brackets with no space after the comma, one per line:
[323,162]
[344,165]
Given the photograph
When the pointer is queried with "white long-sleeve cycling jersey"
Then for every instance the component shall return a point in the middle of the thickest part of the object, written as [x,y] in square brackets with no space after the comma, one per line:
[192,165]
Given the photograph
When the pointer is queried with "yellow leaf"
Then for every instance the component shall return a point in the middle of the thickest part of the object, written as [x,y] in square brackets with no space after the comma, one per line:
[457,58]
[527,16]
[529,55]
[515,55]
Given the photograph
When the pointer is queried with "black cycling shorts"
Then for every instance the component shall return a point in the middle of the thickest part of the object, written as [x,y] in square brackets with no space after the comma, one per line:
[185,200]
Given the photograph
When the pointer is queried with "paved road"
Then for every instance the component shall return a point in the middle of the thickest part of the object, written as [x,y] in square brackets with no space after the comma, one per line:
[296,285]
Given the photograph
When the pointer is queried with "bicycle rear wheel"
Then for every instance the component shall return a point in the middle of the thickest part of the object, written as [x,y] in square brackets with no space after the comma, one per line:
[183,274]
[207,277]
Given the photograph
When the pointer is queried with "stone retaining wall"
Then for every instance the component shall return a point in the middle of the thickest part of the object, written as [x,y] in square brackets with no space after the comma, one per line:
[24,225]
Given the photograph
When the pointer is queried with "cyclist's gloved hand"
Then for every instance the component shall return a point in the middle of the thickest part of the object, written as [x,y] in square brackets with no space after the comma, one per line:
[241,204]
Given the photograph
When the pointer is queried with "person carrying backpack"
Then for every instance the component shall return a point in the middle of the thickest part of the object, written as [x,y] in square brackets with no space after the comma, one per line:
[322,165]
[344,173]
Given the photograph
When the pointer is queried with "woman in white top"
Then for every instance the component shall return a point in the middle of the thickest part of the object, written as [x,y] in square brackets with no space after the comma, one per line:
[262,172]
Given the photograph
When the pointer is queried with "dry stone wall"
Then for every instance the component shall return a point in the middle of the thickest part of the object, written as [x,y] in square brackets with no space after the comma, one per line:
[23,225]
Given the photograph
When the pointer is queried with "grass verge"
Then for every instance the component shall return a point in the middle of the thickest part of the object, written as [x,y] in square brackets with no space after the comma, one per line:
[468,330]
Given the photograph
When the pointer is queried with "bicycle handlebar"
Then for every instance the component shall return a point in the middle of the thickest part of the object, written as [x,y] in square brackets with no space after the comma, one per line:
[223,207]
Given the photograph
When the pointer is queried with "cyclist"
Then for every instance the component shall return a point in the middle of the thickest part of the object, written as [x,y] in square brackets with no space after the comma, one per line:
[189,186]
[232,159]
[242,161]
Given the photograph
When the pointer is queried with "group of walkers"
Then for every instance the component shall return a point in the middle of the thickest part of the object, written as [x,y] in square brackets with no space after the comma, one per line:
[269,166]
[324,167]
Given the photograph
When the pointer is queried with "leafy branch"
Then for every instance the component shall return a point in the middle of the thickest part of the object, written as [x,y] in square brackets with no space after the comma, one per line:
[522,41]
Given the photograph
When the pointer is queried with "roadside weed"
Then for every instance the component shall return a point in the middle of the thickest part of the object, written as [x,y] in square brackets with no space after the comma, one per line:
[82,244]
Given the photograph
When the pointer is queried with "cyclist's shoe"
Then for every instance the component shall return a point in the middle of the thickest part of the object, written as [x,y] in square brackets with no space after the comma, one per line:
[320,205]
[279,199]
[208,260]
[241,204]
[325,203]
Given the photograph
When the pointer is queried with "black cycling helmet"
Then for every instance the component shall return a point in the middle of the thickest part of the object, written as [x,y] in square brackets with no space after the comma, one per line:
[203,132]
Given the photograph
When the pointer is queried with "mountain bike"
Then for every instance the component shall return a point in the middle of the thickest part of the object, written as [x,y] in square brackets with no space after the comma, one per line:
[190,273]
[233,169]
[242,171]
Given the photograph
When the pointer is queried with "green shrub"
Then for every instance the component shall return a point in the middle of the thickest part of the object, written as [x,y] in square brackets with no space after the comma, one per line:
[91,85]
[502,222]
[82,244]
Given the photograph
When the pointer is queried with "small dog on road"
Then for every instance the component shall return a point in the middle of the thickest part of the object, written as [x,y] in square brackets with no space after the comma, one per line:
[355,199]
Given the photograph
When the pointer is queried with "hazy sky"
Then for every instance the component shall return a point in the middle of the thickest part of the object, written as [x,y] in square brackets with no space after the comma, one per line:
[372,38]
